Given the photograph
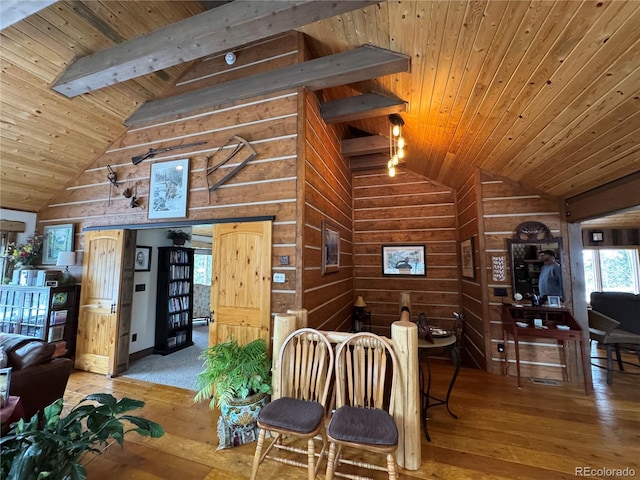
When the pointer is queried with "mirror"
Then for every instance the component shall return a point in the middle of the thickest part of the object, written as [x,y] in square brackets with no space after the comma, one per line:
[530,239]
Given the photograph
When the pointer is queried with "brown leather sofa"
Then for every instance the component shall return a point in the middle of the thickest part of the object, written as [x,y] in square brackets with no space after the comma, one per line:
[36,377]
[614,320]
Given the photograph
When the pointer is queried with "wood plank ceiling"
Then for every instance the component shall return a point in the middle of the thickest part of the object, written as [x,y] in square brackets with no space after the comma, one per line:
[544,93]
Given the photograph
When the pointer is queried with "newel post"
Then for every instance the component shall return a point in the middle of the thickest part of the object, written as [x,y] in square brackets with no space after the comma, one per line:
[404,335]
[283,325]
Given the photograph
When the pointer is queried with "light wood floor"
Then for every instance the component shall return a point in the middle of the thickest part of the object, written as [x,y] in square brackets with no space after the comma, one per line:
[538,432]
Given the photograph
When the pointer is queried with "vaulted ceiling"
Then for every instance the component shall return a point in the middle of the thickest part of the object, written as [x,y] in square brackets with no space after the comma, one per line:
[544,93]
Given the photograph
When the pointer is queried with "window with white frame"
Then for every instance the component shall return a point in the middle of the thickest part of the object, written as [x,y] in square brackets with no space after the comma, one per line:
[611,270]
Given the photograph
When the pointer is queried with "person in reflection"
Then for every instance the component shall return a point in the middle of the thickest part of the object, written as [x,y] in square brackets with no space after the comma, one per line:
[550,280]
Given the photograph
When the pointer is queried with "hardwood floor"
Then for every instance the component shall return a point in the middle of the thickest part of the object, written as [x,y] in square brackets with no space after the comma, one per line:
[538,432]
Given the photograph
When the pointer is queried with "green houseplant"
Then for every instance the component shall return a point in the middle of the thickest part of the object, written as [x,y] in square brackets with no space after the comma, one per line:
[233,371]
[55,450]
[178,236]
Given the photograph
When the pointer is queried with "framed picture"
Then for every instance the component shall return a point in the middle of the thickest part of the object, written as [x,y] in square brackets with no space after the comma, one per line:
[143,259]
[330,247]
[597,236]
[56,333]
[168,189]
[57,238]
[467,259]
[5,383]
[404,260]
[553,302]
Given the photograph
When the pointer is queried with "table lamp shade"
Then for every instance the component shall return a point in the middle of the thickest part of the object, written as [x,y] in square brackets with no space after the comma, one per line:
[66,258]
[359,302]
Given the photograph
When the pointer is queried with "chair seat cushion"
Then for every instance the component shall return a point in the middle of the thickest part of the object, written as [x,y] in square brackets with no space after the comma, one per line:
[300,416]
[370,426]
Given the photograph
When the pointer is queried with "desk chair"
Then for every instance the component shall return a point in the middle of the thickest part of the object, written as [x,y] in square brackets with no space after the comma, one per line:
[363,418]
[305,367]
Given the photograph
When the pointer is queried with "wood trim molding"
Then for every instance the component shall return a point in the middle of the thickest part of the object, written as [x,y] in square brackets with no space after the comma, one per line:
[359,107]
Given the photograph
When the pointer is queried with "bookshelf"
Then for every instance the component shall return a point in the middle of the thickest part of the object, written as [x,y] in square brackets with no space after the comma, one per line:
[48,313]
[174,306]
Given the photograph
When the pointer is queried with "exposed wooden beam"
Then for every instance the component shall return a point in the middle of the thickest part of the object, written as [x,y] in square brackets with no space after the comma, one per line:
[12,226]
[360,106]
[224,28]
[12,11]
[362,63]
[368,162]
[354,147]
[615,196]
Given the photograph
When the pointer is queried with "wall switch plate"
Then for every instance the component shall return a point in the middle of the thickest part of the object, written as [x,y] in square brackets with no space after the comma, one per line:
[278,278]
[284,260]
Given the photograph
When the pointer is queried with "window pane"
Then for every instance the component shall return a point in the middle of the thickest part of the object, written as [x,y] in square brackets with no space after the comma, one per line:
[202,269]
[619,270]
[590,276]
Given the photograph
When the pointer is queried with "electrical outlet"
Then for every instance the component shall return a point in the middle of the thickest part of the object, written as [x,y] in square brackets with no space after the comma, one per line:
[501,348]
[134,337]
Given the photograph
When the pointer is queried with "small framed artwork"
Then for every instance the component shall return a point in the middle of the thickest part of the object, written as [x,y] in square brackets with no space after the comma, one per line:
[404,260]
[168,189]
[56,333]
[330,247]
[553,302]
[57,238]
[143,259]
[5,383]
[597,236]
[467,259]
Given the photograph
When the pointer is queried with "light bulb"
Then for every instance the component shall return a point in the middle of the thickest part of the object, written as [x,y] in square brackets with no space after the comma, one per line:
[390,163]
[396,130]
[395,160]
[401,142]
[392,171]
[400,153]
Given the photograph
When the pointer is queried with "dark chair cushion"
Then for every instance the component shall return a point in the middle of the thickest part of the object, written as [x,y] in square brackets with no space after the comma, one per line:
[621,306]
[363,425]
[292,414]
[26,351]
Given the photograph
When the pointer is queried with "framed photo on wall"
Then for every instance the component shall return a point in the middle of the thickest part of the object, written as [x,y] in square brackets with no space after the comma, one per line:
[143,259]
[330,247]
[168,189]
[467,259]
[57,238]
[404,260]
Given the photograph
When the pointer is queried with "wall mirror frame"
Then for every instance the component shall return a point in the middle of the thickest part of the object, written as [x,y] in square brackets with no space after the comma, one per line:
[524,249]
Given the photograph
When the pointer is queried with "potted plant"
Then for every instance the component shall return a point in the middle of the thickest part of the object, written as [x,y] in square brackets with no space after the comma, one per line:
[178,236]
[237,379]
[56,450]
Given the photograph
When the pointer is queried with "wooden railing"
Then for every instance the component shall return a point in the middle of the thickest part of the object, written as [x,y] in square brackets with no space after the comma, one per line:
[404,340]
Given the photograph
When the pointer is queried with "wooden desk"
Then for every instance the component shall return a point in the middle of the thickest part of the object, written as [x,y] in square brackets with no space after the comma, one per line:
[551,318]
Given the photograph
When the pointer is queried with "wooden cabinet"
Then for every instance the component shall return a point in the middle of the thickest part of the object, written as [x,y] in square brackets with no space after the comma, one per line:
[174,306]
[49,313]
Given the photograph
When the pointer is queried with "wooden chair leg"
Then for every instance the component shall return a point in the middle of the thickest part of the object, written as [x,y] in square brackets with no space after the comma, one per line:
[609,364]
[311,458]
[619,358]
[331,462]
[256,456]
[391,467]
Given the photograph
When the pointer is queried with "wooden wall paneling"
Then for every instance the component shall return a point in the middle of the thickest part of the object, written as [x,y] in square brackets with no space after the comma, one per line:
[327,196]
[405,209]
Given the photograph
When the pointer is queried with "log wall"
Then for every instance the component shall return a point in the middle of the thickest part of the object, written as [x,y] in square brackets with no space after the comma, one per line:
[504,205]
[267,186]
[405,209]
[327,196]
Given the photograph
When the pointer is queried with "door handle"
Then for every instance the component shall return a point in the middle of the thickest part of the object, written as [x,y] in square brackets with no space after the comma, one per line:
[113,308]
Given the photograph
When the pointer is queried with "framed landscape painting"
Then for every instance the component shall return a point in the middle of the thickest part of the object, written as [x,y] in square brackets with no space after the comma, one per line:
[57,238]
[330,247]
[168,189]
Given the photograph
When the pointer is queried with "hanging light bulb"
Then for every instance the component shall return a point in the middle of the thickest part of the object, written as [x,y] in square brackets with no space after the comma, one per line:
[396,143]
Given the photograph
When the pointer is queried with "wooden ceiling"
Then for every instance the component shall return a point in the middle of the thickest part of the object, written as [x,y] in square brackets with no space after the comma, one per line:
[544,93]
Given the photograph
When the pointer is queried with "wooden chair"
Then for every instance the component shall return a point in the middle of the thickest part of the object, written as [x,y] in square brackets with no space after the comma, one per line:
[363,418]
[305,363]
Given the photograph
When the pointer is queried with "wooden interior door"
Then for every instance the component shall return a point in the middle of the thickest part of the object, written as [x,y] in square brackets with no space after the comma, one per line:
[241,282]
[104,317]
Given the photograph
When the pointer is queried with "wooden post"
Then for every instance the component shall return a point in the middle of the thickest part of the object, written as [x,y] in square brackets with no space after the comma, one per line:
[301,315]
[283,325]
[404,335]
[405,301]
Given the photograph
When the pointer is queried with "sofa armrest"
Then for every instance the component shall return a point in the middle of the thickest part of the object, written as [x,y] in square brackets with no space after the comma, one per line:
[602,322]
[40,385]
